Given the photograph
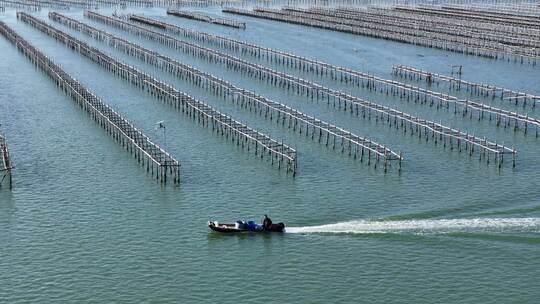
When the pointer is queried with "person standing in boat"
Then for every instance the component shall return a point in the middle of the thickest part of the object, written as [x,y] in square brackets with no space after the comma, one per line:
[267,223]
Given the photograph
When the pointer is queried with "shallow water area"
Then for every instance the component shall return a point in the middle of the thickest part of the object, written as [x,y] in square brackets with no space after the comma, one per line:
[85,223]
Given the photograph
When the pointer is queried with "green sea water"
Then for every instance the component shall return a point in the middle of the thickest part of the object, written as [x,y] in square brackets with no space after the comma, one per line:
[85,223]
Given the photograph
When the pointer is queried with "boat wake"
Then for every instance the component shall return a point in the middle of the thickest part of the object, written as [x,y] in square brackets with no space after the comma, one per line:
[426,226]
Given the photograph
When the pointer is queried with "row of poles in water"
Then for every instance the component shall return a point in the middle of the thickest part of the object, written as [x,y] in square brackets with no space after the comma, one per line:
[281,113]
[311,90]
[6,166]
[206,18]
[157,161]
[479,89]
[36,5]
[509,6]
[521,41]
[384,25]
[348,76]
[241,134]
[278,111]
[444,133]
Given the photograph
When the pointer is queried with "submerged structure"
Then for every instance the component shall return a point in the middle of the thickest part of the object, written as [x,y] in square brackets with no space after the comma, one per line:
[5,164]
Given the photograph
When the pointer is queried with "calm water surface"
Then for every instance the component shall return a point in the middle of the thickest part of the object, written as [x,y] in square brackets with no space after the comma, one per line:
[84,223]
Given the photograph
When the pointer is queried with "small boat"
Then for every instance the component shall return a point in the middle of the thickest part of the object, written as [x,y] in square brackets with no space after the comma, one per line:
[242,226]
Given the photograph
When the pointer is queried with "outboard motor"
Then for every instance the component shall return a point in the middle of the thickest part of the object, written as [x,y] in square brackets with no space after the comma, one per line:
[277,227]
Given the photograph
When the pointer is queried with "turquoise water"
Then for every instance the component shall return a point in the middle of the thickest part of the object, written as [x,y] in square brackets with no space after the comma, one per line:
[84,223]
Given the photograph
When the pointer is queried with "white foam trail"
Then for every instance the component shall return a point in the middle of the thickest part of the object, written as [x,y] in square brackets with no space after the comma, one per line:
[425,226]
